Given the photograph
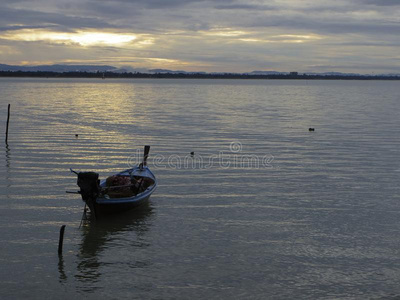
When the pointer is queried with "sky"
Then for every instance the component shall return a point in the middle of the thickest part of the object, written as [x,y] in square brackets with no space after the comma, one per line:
[360,36]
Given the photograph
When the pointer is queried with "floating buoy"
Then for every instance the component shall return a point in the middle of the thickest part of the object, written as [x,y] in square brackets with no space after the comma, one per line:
[76,135]
[311,129]
[192,153]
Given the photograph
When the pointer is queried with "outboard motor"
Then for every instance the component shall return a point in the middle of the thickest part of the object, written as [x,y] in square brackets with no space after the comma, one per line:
[89,184]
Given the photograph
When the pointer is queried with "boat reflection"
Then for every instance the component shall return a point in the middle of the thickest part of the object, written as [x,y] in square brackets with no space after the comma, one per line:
[105,239]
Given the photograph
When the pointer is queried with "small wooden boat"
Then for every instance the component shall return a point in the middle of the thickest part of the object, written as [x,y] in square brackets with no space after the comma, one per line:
[118,193]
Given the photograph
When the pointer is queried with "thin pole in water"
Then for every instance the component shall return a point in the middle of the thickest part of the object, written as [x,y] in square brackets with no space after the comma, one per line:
[61,239]
[8,121]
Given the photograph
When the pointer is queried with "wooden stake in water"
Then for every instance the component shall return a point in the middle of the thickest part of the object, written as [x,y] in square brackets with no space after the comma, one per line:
[8,121]
[61,239]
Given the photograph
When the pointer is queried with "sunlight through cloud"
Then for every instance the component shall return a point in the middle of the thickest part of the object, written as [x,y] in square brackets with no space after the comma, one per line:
[224,32]
[82,38]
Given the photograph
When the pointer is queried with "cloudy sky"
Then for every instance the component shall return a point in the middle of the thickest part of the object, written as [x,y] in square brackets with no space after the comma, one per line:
[205,35]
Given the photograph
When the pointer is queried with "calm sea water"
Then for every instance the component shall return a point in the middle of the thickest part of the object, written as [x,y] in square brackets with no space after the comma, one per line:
[264,210]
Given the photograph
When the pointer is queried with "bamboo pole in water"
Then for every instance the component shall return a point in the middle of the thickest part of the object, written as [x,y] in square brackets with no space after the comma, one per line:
[8,122]
[61,239]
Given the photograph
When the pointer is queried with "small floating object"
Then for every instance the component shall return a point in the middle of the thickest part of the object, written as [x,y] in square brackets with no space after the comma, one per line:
[311,129]
[192,153]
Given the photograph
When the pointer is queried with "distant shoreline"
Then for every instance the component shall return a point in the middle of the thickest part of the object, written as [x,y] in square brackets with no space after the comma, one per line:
[100,75]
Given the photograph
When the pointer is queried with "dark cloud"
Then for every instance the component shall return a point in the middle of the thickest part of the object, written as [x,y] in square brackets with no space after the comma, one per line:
[36,19]
[324,23]
[382,2]
[244,7]
[20,27]
[162,4]
[110,11]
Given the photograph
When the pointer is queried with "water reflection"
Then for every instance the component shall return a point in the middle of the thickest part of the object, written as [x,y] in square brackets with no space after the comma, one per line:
[8,166]
[8,157]
[63,277]
[104,240]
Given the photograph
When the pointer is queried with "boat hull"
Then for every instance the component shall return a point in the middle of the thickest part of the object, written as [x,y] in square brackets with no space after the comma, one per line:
[106,206]
[114,208]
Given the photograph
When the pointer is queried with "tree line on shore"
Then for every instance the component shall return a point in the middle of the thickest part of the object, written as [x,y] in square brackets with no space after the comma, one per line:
[46,74]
